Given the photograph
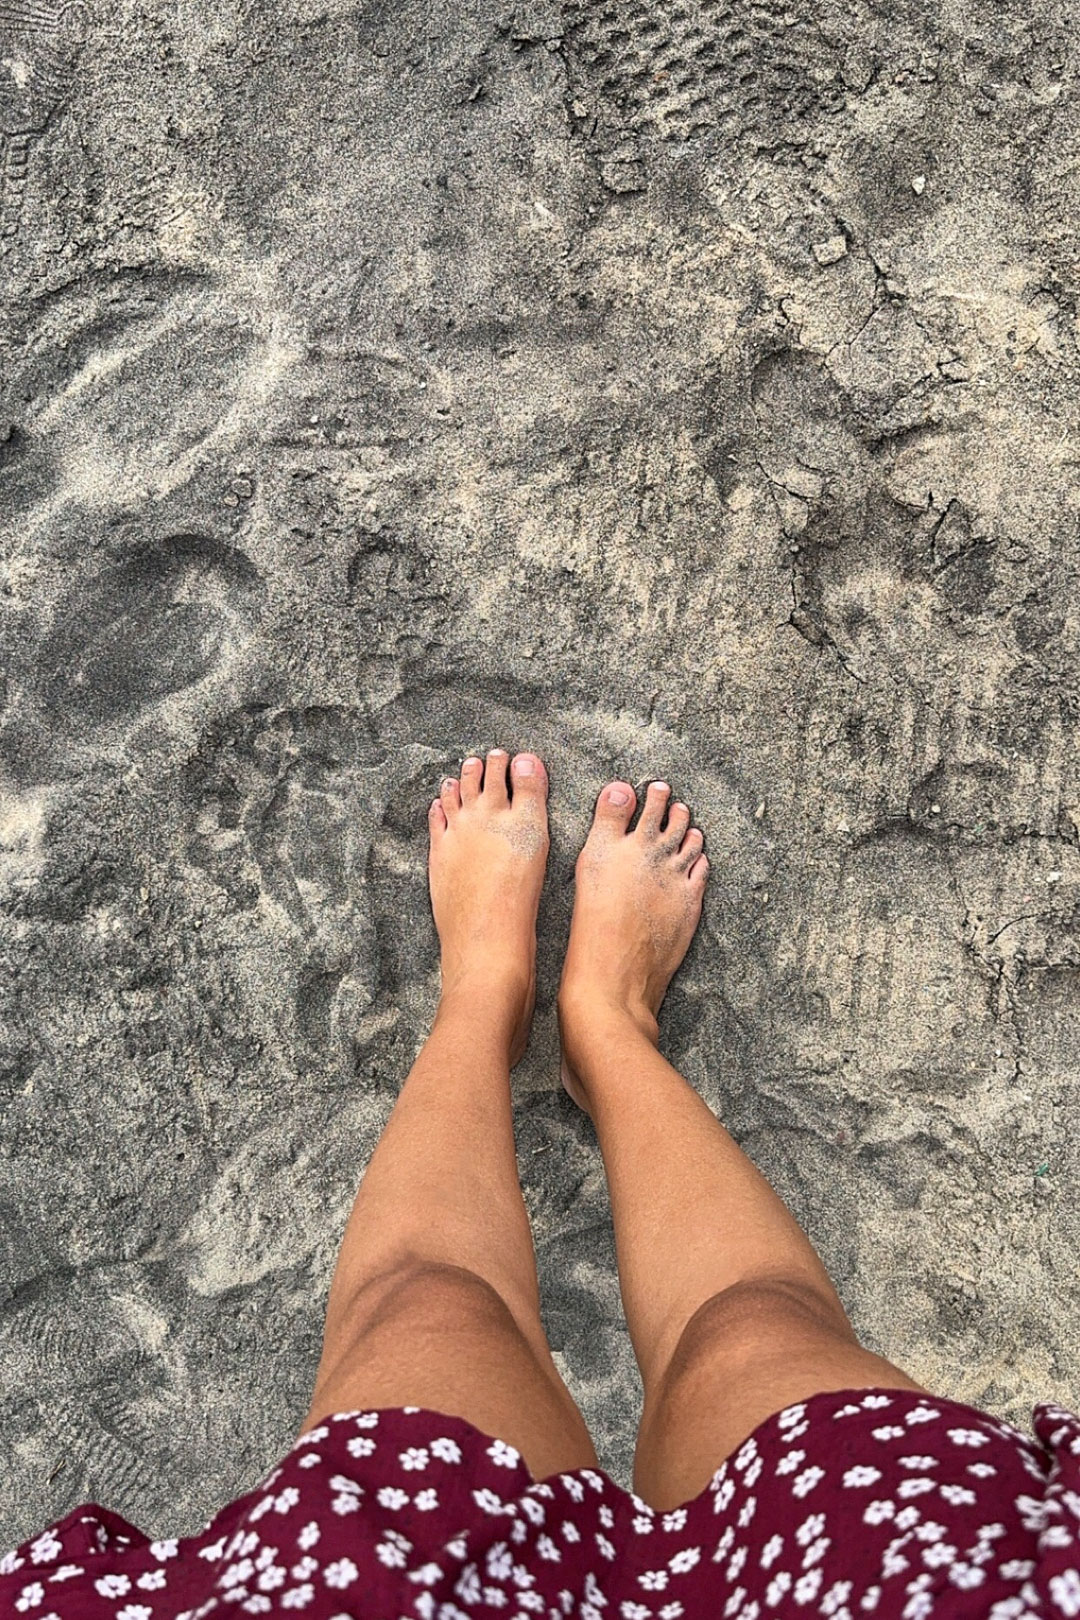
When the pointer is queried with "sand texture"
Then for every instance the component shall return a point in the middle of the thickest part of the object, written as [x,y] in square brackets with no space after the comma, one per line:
[677,387]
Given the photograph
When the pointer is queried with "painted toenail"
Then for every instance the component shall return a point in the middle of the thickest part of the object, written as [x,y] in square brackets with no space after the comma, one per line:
[525,766]
[618,795]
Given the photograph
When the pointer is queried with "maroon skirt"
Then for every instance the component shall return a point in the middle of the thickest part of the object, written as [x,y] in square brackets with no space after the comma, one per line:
[848,1505]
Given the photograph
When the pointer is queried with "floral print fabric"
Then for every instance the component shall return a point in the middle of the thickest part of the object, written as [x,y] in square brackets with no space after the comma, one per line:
[867,1503]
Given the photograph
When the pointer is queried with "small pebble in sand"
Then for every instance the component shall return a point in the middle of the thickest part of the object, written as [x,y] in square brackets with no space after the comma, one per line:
[918,185]
[827,252]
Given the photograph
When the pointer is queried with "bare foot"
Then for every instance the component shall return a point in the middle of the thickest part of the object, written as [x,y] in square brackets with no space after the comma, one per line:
[637,904]
[489,845]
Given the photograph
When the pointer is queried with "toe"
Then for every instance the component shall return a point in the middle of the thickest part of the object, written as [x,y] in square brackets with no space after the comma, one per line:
[472,775]
[614,808]
[652,813]
[677,822]
[690,848]
[528,778]
[699,872]
[495,790]
[436,818]
[450,796]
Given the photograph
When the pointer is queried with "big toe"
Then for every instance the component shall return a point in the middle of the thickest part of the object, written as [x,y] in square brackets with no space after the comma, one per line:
[528,778]
[614,808]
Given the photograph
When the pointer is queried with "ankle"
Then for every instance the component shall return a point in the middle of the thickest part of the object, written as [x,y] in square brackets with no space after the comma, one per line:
[589,1019]
[486,1000]
[481,974]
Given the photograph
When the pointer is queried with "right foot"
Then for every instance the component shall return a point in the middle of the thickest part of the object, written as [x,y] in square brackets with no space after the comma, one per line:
[637,904]
[489,844]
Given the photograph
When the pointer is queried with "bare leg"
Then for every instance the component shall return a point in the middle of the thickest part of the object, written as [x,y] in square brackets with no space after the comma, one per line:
[434,1301]
[731,1313]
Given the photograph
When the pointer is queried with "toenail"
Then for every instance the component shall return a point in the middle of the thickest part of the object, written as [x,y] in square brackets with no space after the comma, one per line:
[618,795]
[525,766]
[447,783]
[661,787]
[471,763]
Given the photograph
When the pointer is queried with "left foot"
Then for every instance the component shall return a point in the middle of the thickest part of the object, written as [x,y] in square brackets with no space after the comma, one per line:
[489,844]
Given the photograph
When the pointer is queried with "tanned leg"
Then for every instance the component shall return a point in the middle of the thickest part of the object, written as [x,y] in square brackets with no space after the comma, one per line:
[731,1313]
[434,1301]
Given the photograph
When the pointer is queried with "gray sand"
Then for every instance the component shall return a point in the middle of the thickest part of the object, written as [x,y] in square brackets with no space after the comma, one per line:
[678,389]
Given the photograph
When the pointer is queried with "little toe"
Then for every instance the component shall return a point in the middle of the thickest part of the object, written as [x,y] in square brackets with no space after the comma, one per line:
[699,872]
[436,818]
[495,789]
[472,776]
[450,796]
[614,808]
[677,822]
[528,778]
[652,813]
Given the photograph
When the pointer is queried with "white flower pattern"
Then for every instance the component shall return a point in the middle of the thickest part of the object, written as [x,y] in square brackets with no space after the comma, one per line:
[769,1554]
[900,1503]
[111,1586]
[502,1455]
[1065,1592]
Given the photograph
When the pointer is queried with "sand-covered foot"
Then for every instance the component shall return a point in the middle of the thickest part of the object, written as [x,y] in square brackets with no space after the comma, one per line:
[489,844]
[637,903]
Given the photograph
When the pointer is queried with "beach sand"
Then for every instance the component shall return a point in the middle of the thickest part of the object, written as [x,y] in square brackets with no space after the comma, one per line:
[684,391]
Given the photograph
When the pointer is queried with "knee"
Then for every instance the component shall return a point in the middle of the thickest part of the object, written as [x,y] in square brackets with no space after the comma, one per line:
[753,1325]
[436,1298]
